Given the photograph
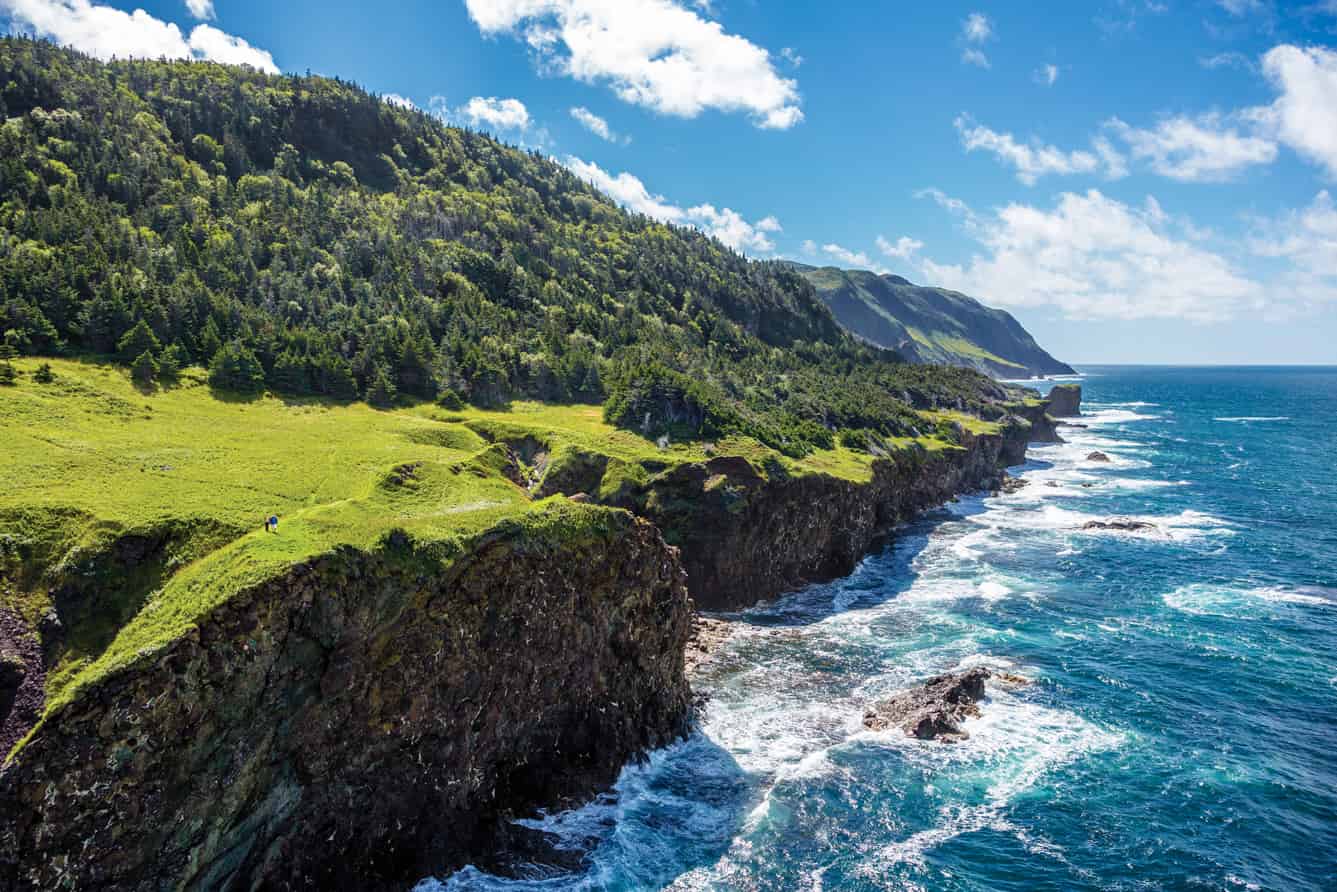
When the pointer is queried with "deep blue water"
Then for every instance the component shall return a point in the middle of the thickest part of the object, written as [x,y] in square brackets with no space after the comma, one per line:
[1182,729]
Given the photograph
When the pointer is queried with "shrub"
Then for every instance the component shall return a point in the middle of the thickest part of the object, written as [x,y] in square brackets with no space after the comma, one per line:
[44,375]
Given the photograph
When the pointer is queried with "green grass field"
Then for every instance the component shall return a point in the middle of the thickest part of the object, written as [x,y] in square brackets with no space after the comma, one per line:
[90,459]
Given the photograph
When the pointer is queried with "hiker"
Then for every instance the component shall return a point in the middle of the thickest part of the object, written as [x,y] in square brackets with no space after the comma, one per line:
[274,522]
[266,523]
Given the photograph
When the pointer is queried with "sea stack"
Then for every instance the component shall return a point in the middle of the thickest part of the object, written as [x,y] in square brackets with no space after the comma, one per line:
[1065,401]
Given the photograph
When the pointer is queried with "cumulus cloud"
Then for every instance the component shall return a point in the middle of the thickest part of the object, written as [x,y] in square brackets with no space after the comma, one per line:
[595,124]
[1034,159]
[1306,241]
[494,113]
[902,249]
[1047,75]
[104,32]
[400,101]
[725,224]
[654,53]
[1304,117]
[855,259]
[1094,257]
[1205,149]
[976,30]
[201,9]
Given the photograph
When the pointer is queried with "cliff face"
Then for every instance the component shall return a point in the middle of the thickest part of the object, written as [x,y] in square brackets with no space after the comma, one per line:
[361,720]
[745,537]
[1065,400]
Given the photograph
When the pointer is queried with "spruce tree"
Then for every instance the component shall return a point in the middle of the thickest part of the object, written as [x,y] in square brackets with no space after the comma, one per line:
[145,368]
[381,392]
[138,341]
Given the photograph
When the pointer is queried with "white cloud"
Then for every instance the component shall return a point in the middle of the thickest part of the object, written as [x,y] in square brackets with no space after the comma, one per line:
[1196,150]
[1305,115]
[1307,241]
[809,247]
[104,32]
[976,30]
[1094,257]
[595,124]
[498,114]
[854,259]
[1241,7]
[400,101]
[725,224]
[201,9]
[1047,75]
[1032,160]
[654,53]
[972,56]
[902,249]
[791,55]
[1227,60]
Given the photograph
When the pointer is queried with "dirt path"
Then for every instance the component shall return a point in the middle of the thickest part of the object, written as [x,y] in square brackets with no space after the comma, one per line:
[19,713]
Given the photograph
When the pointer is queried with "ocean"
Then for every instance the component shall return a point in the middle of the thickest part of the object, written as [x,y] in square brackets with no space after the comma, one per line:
[1181,728]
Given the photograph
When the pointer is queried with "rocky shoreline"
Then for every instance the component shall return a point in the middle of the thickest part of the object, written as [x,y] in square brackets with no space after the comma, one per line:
[369,718]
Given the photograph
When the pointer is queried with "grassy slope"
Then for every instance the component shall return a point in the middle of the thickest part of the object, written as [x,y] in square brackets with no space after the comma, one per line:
[929,324]
[90,458]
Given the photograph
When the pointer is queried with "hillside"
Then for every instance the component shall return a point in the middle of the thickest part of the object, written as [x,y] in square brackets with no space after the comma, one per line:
[300,235]
[512,434]
[931,325]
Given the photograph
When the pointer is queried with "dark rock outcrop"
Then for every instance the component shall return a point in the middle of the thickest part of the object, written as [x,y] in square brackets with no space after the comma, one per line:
[1121,525]
[933,711]
[22,678]
[1098,457]
[360,721]
[1065,401]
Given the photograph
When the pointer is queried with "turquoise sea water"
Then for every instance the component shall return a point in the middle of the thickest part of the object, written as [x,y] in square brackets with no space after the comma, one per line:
[1182,729]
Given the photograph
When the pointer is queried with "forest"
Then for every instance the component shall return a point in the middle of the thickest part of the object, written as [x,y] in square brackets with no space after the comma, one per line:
[300,235]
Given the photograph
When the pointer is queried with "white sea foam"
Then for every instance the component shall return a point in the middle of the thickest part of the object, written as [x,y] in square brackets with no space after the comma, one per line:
[1234,601]
[1015,742]
[1245,419]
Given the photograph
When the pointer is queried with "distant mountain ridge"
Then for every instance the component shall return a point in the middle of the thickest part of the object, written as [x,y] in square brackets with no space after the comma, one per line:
[931,325]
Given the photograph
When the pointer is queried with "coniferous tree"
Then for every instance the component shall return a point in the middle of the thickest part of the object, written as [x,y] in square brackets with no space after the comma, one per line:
[381,392]
[145,368]
[236,368]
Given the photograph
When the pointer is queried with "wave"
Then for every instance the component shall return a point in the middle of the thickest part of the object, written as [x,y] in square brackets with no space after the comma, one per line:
[1013,747]
[1244,419]
[1235,602]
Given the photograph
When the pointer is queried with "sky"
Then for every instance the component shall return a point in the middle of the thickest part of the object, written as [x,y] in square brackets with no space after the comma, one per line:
[1137,181]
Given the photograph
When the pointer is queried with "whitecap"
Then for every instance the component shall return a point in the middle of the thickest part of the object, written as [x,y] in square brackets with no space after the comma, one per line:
[1244,419]
[1239,602]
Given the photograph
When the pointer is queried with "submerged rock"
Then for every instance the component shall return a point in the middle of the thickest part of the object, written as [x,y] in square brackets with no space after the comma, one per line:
[934,710]
[1013,484]
[1098,456]
[1122,525]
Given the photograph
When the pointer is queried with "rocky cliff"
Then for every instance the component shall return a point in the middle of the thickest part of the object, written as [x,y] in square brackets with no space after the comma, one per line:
[362,719]
[749,534]
[1065,400]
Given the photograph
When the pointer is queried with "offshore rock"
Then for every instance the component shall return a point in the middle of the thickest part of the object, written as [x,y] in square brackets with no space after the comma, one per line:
[361,721]
[933,711]
[1121,525]
[1098,457]
[1065,401]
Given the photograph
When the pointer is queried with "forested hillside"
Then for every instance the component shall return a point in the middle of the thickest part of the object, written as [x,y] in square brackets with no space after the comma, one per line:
[301,235]
[931,325]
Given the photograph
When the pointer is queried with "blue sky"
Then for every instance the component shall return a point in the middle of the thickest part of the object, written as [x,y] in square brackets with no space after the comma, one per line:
[1136,180]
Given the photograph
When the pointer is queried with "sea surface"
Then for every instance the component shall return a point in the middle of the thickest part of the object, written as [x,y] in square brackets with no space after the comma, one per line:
[1181,731]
